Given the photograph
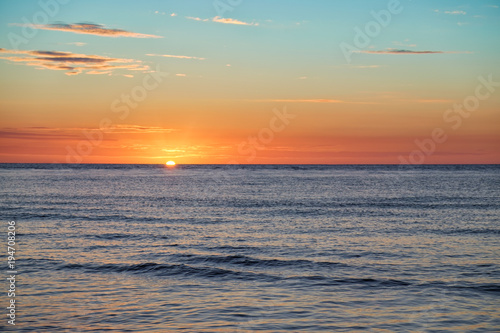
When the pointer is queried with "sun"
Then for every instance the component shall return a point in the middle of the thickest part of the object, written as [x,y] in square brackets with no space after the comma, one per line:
[170,163]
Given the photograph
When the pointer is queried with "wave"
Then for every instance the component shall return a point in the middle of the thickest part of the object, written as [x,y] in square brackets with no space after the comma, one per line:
[241,260]
[465,231]
[113,236]
[187,271]
[171,270]
[319,280]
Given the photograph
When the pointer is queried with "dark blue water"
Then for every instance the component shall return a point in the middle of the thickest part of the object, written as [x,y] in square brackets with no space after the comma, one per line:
[144,248]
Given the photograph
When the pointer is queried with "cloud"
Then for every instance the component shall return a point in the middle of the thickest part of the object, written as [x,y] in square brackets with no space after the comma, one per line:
[89,29]
[72,63]
[131,129]
[35,133]
[74,133]
[311,101]
[180,74]
[402,97]
[447,101]
[326,101]
[306,100]
[455,12]
[219,19]
[398,51]
[451,12]
[77,44]
[402,51]
[174,56]
[157,12]
[231,21]
[401,44]
[197,19]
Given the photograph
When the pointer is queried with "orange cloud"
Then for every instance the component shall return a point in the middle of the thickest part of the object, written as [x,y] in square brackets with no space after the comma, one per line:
[89,29]
[333,101]
[74,133]
[306,101]
[36,133]
[434,101]
[140,129]
[231,21]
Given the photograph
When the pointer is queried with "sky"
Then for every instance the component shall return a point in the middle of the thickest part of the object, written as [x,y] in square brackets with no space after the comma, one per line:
[250,82]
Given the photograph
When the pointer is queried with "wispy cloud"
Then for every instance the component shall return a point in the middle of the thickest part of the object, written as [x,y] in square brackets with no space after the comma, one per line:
[447,101]
[36,133]
[157,12]
[131,129]
[405,44]
[402,97]
[304,100]
[327,101]
[379,98]
[231,21]
[197,19]
[77,44]
[74,133]
[219,19]
[402,51]
[72,63]
[174,56]
[455,12]
[451,12]
[89,29]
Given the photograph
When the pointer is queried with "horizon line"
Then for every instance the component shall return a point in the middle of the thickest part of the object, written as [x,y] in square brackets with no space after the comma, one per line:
[255,164]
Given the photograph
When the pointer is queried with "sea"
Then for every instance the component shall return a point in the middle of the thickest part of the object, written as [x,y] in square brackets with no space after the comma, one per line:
[253,248]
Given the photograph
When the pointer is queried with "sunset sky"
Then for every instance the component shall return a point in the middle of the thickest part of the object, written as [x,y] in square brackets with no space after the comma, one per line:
[250,81]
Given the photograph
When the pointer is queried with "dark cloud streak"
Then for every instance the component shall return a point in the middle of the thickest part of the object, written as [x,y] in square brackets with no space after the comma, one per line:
[89,29]
[73,63]
[402,51]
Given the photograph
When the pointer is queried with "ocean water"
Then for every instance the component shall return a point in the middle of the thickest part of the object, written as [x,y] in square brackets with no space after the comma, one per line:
[145,248]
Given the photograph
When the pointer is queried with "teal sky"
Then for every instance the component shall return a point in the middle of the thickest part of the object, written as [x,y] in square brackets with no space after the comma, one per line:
[293,37]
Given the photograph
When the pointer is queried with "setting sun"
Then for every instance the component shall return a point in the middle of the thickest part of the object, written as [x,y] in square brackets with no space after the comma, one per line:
[170,163]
